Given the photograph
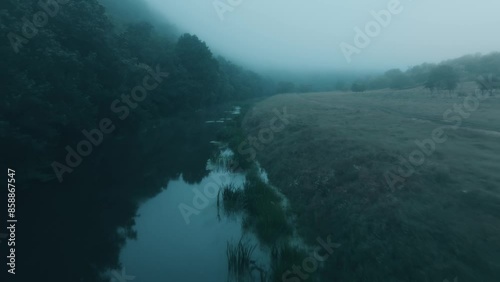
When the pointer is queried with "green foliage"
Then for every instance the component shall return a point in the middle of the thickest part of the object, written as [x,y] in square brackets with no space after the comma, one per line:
[263,206]
[233,199]
[62,81]
[239,261]
[397,79]
[240,84]
[68,75]
[443,77]
[420,74]
[126,12]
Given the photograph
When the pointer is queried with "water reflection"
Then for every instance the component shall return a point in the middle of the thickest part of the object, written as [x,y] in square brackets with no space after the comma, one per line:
[189,245]
[80,226]
[172,247]
[169,248]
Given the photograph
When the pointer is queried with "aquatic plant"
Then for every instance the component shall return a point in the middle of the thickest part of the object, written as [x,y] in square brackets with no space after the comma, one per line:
[265,213]
[232,198]
[218,205]
[239,261]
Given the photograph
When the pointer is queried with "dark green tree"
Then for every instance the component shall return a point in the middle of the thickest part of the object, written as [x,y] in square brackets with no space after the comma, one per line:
[443,77]
[397,79]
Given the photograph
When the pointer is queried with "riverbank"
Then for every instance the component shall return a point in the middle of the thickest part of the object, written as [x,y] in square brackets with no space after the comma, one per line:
[265,210]
[103,195]
[341,152]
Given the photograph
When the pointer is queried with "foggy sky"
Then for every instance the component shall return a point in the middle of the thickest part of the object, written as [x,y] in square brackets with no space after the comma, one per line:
[306,34]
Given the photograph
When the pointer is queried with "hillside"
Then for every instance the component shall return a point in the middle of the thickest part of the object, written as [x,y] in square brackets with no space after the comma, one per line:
[332,162]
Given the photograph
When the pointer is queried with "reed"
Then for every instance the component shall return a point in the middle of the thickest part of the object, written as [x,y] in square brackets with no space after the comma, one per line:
[265,213]
[239,261]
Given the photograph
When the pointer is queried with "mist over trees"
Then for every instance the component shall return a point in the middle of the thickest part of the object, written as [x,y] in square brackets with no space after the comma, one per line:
[68,73]
[71,70]
[63,79]
[358,87]
[444,76]
[70,65]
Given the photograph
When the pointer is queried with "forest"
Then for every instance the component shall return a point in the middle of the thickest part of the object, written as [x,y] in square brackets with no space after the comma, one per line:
[67,74]
[76,119]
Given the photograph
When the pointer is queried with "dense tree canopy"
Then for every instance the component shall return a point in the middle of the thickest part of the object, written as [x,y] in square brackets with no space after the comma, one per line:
[68,67]
[67,73]
[443,77]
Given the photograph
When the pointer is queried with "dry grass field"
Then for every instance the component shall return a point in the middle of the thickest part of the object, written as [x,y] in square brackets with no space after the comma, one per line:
[438,220]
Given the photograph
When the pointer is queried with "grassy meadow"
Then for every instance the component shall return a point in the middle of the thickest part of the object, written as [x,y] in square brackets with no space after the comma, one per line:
[332,159]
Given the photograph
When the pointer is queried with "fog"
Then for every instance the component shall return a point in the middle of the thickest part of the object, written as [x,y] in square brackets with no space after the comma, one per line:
[306,35]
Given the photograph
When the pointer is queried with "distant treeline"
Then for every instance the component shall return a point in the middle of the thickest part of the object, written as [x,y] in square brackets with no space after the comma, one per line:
[444,76]
[66,63]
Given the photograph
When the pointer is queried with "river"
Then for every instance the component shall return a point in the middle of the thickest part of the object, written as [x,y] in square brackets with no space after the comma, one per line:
[174,246]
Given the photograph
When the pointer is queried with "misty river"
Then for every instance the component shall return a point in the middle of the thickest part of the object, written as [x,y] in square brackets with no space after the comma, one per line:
[182,233]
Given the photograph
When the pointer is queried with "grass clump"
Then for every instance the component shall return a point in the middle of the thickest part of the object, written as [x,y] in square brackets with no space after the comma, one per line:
[239,261]
[265,213]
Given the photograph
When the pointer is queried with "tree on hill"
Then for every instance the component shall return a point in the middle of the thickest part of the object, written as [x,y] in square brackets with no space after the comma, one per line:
[397,79]
[378,82]
[443,77]
[419,74]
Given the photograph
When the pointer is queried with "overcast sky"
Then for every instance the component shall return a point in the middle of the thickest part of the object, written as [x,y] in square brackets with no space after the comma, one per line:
[306,34]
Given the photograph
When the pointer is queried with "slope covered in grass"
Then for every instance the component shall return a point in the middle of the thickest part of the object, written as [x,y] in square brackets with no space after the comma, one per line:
[331,159]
